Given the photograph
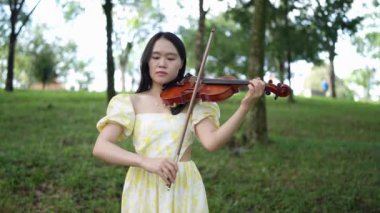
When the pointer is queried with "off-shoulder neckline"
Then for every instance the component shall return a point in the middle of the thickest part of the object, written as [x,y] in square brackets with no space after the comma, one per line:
[158,113]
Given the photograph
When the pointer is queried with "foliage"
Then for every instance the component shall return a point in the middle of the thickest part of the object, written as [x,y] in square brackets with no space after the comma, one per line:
[362,77]
[288,37]
[323,157]
[18,19]
[44,65]
[330,18]
[365,79]
[61,56]
[369,43]
[231,57]
[140,17]
[27,47]
[135,20]
[3,25]
[5,7]
[188,38]
[22,69]
[373,44]
[71,10]
[225,57]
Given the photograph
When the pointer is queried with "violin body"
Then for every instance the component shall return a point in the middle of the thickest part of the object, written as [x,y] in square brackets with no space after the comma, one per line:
[181,93]
[213,90]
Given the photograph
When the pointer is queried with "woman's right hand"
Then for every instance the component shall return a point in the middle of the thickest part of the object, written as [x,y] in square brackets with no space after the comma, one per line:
[163,167]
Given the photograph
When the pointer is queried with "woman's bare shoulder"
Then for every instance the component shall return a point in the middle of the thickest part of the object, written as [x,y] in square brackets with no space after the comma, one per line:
[140,102]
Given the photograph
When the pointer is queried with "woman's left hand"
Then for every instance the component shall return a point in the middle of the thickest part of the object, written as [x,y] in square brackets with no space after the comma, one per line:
[255,90]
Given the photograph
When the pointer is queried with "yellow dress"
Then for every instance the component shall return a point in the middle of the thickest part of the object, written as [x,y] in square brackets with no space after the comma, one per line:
[157,135]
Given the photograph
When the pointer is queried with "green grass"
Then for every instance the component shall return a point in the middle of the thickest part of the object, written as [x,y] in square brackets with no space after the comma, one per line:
[323,157]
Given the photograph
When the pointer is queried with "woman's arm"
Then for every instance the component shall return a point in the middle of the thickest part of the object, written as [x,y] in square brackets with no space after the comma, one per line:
[213,138]
[106,149]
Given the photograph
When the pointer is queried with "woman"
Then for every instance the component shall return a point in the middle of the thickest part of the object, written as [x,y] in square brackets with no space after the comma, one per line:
[156,134]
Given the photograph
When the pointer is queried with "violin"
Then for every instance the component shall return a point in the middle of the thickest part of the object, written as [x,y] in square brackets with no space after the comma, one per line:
[191,88]
[213,90]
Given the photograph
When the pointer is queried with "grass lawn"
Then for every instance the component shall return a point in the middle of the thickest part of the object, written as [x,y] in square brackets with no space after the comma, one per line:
[323,156]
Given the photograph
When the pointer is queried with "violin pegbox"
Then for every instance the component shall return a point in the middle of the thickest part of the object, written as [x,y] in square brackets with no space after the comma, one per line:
[267,91]
[270,88]
[279,90]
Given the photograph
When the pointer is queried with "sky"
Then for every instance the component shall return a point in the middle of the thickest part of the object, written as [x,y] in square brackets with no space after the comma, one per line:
[88,31]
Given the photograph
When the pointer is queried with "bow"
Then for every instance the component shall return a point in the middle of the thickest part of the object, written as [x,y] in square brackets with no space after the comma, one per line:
[193,97]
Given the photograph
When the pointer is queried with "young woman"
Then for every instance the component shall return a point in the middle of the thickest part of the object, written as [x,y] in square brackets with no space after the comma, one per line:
[156,134]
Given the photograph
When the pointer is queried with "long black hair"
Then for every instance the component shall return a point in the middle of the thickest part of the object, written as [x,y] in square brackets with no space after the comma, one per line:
[146,80]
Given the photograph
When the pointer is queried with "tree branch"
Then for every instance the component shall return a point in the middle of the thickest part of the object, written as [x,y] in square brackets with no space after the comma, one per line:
[27,16]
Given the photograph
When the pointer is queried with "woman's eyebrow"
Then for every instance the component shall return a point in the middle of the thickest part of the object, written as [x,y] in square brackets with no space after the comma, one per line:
[167,54]
[171,54]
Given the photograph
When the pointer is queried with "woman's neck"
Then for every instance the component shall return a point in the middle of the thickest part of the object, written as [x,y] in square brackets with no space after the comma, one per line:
[155,90]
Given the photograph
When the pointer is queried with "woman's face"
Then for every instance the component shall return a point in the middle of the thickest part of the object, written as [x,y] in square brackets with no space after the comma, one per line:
[164,62]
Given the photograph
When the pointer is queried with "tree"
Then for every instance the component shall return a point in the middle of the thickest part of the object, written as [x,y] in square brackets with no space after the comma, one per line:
[364,78]
[107,8]
[256,126]
[330,18]
[123,63]
[86,78]
[287,38]
[17,15]
[44,64]
[3,49]
[63,52]
[369,43]
[199,40]
[2,65]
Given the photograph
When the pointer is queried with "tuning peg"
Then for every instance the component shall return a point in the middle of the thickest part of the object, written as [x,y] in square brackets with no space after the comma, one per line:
[267,92]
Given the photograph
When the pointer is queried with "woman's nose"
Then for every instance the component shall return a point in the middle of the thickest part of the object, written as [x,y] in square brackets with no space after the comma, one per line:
[162,62]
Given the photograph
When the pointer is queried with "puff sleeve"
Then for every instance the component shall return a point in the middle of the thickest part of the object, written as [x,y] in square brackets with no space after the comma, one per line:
[204,110]
[120,110]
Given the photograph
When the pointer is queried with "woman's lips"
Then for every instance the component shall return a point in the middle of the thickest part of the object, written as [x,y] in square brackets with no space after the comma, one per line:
[161,73]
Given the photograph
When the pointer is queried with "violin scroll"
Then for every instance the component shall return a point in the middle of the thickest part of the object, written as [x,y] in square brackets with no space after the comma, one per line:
[279,90]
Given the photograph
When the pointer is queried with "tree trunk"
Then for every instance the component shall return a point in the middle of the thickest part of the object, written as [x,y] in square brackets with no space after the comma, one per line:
[11,59]
[288,52]
[199,43]
[15,8]
[255,127]
[12,46]
[107,7]
[281,66]
[289,74]
[332,74]
[124,58]
[331,68]
[122,67]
